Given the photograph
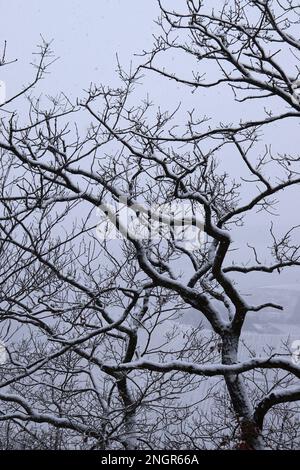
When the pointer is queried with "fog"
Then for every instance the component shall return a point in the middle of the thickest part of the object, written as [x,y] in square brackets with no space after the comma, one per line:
[87,37]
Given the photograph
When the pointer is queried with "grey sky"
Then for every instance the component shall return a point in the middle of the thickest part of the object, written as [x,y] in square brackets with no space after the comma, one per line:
[87,35]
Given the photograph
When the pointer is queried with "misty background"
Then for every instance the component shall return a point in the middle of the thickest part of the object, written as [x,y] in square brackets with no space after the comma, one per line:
[87,38]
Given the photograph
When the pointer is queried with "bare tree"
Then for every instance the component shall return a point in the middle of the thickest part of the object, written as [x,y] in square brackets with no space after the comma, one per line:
[86,314]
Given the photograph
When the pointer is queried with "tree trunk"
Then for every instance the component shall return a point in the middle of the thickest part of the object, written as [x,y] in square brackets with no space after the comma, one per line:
[250,433]
[130,441]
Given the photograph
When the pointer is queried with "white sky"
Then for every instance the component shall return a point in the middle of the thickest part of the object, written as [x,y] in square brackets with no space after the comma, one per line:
[87,35]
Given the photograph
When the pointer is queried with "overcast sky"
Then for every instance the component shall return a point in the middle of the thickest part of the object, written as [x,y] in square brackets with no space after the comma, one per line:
[86,37]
